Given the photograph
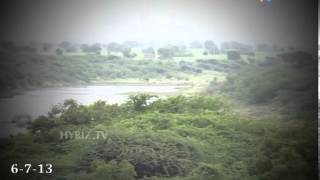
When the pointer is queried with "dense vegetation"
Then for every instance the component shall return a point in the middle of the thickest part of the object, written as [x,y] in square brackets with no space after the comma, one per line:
[285,81]
[23,71]
[47,64]
[30,70]
[183,138]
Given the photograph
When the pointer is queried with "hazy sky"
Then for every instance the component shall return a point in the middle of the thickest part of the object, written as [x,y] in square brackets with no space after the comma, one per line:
[280,22]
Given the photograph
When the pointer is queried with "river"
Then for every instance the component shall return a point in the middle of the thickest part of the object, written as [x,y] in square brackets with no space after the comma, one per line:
[38,102]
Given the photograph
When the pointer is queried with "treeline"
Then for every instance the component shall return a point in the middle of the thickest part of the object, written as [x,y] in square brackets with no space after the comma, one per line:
[164,50]
[19,71]
[28,70]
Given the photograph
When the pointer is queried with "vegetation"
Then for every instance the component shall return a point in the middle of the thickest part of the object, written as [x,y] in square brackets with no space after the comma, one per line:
[210,46]
[284,81]
[181,137]
[23,71]
[198,135]
[233,55]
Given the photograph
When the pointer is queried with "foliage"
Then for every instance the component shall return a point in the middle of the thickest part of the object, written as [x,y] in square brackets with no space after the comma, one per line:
[175,138]
[236,46]
[149,50]
[113,170]
[181,104]
[68,46]
[285,81]
[94,48]
[35,70]
[139,101]
[166,53]
[178,138]
[59,51]
[210,46]
[233,55]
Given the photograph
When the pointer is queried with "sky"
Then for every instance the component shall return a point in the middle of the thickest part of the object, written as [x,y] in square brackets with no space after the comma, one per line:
[281,22]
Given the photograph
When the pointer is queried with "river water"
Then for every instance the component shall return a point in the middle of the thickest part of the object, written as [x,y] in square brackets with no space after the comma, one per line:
[38,102]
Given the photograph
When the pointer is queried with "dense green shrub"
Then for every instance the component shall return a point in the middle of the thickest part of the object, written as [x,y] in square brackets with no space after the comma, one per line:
[181,104]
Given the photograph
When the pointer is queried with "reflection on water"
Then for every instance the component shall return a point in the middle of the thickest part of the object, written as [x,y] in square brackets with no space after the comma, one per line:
[38,102]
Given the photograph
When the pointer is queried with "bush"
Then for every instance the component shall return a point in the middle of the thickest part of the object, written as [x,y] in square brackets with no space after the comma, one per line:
[181,104]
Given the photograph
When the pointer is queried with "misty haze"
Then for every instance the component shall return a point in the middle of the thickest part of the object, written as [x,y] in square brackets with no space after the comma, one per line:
[181,90]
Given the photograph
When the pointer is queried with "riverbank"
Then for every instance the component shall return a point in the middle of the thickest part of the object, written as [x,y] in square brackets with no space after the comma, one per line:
[39,101]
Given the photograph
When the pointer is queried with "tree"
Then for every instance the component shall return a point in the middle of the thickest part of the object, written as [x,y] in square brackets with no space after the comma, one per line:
[28,49]
[126,51]
[47,47]
[182,47]
[264,47]
[84,48]
[149,50]
[41,125]
[95,48]
[65,45]
[140,101]
[236,46]
[233,55]
[59,51]
[114,47]
[166,53]
[210,46]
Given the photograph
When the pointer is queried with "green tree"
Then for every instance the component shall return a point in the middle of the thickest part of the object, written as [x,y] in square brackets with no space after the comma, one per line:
[166,53]
[59,51]
[140,101]
[210,46]
[47,47]
[233,55]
